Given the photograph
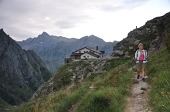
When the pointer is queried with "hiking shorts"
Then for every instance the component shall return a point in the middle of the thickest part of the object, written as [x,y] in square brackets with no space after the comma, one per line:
[140,65]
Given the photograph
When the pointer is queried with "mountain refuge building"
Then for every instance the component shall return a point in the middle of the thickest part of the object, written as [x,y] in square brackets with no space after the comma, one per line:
[85,53]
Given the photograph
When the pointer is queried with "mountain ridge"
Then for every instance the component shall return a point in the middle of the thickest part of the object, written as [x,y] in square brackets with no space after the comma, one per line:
[152,35]
[53,49]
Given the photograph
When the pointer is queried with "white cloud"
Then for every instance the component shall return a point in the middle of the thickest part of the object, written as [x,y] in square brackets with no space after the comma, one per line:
[108,19]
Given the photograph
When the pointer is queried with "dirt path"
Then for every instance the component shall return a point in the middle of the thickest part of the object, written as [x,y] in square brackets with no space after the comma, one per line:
[138,100]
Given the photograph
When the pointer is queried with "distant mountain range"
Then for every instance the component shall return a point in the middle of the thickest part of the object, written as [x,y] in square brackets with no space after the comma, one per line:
[53,49]
[21,71]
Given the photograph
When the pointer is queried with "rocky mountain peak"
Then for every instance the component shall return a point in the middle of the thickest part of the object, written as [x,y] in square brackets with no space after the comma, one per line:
[44,34]
[92,37]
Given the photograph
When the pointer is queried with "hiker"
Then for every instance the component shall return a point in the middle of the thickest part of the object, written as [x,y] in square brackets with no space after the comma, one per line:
[140,57]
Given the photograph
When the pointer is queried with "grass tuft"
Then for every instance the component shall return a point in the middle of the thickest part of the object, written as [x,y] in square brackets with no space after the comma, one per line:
[159,79]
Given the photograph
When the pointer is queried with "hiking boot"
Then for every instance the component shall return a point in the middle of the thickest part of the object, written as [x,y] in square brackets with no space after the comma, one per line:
[143,79]
[138,76]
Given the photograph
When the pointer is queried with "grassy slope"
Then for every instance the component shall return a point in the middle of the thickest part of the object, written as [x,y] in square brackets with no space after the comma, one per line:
[108,95]
[110,89]
[158,70]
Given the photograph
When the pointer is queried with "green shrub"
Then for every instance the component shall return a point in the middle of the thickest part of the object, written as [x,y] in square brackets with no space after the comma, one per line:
[67,102]
[104,100]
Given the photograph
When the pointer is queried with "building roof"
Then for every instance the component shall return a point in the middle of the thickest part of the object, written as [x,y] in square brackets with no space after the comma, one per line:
[91,49]
[92,54]
[79,50]
[76,54]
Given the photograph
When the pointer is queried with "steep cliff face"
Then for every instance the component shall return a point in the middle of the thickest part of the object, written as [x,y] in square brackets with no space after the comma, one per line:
[21,71]
[152,35]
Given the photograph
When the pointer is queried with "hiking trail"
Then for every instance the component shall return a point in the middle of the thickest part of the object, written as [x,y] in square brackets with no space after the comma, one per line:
[138,100]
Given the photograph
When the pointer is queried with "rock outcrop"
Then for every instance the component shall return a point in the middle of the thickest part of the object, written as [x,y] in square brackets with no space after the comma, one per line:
[21,71]
[151,35]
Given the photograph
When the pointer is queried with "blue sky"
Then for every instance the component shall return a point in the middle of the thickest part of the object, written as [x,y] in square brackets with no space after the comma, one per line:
[108,19]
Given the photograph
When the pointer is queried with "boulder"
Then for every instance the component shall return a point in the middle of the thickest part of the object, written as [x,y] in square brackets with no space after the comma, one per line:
[88,75]
[148,29]
[144,86]
[155,44]
[136,42]
[118,53]
[138,91]
[130,40]
[130,47]
[127,53]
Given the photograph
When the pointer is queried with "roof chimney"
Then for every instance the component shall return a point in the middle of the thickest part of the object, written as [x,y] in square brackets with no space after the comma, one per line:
[97,48]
